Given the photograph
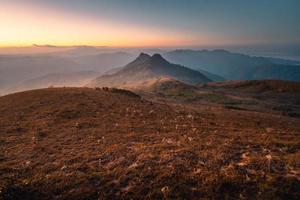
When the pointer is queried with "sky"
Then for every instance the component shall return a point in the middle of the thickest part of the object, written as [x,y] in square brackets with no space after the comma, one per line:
[153,23]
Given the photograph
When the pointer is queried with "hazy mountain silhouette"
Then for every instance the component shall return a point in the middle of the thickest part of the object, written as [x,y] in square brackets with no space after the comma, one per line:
[211,76]
[146,67]
[235,66]
[17,69]
[103,62]
[83,50]
[283,61]
[20,68]
[75,79]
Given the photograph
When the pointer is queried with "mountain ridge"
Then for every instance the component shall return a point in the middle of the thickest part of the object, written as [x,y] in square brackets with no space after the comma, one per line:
[146,67]
[236,66]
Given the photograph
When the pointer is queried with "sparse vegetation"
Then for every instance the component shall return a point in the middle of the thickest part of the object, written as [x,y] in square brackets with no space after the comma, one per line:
[113,146]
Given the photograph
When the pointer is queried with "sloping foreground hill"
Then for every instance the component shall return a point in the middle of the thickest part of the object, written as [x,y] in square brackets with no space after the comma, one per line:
[146,67]
[260,86]
[267,96]
[164,84]
[274,96]
[283,91]
[167,89]
[79,143]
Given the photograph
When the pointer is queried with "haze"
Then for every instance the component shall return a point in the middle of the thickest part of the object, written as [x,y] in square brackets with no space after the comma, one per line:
[149,99]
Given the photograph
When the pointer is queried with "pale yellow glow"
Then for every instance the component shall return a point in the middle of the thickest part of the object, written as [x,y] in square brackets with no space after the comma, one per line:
[24,26]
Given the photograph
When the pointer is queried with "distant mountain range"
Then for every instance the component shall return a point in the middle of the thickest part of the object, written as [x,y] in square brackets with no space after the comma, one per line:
[17,69]
[145,68]
[216,65]
[75,79]
[235,66]
[103,62]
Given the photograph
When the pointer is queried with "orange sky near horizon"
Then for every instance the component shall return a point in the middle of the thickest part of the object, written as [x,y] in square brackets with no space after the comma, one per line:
[143,23]
[25,25]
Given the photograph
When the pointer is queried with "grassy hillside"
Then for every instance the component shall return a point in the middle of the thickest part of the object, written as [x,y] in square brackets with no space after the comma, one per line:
[79,143]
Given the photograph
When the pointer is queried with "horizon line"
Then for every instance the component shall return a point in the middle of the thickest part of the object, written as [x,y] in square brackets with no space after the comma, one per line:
[145,46]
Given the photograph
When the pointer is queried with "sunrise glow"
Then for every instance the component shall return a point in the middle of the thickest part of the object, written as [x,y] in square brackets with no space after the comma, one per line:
[143,23]
[32,25]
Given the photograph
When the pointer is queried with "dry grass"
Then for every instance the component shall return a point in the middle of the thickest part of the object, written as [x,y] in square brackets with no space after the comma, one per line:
[73,143]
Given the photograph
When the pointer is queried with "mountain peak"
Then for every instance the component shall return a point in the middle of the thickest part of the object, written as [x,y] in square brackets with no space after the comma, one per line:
[156,55]
[155,59]
[143,56]
[158,59]
[145,68]
[220,51]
